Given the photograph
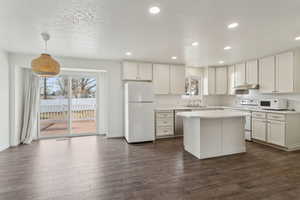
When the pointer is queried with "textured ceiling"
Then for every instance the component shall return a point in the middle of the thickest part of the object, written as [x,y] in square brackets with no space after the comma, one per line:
[106,29]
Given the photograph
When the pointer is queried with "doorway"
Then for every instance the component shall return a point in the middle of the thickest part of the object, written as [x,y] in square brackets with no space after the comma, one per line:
[68,106]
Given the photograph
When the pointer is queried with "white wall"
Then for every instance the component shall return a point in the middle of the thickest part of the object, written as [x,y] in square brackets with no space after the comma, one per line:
[4,101]
[115,87]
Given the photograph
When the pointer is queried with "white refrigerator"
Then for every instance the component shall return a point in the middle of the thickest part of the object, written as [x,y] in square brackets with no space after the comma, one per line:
[139,112]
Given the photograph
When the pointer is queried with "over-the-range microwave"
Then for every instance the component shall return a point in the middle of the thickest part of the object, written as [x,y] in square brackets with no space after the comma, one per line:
[273,104]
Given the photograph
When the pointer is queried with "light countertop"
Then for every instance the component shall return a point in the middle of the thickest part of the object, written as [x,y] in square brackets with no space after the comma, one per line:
[203,108]
[213,114]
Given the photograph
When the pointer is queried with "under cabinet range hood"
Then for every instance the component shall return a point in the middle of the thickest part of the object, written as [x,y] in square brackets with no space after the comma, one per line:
[244,89]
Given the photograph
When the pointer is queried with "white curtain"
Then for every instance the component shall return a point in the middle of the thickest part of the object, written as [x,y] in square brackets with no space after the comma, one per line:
[30,108]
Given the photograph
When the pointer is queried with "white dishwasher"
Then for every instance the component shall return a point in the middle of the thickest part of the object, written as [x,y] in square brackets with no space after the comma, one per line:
[248,127]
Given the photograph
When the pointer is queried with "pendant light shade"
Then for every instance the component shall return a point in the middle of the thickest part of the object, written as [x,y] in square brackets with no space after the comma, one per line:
[45,65]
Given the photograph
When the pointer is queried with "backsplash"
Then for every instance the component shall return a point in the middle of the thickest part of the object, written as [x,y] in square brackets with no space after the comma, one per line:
[293,99]
[175,100]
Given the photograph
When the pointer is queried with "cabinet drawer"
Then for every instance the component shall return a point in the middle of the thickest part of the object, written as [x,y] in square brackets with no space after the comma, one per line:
[259,115]
[164,122]
[164,130]
[278,117]
[168,114]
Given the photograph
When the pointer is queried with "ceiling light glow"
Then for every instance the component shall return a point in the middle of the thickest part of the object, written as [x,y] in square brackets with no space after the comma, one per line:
[128,53]
[227,48]
[297,38]
[221,62]
[195,44]
[174,57]
[154,10]
[233,25]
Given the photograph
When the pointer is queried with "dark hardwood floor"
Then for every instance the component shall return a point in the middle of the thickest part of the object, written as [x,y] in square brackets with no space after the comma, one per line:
[99,168]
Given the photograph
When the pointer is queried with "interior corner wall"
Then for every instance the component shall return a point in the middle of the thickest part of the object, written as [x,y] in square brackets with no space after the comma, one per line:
[114,86]
[4,101]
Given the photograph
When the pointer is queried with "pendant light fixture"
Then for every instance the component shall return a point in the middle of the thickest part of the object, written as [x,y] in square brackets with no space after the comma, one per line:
[45,65]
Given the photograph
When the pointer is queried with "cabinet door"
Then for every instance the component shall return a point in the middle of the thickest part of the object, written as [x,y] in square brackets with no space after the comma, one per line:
[285,72]
[231,80]
[145,71]
[276,133]
[130,71]
[221,80]
[252,72]
[209,81]
[240,74]
[177,79]
[161,79]
[267,74]
[259,128]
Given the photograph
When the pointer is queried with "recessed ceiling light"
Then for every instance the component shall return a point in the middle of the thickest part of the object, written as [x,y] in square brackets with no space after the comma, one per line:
[227,48]
[154,10]
[195,44]
[221,62]
[174,57]
[233,25]
[297,38]
[128,53]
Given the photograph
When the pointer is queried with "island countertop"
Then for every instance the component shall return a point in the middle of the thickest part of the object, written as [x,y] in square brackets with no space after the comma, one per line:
[213,114]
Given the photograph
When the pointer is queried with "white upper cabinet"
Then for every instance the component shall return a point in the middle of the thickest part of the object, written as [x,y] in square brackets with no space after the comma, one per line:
[240,74]
[252,72]
[177,79]
[267,74]
[209,81]
[280,73]
[221,80]
[130,71]
[285,72]
[231,80]
[161,78]
[145,71]
[137,71]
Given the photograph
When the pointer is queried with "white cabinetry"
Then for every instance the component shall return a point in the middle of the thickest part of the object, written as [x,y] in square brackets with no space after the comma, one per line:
[276,132]
[279,74]
[259,128]
[267,74]
[209,81]
[240,74]
[221,80]
[169,79]
[145,71]
[280,130]
[161,79]
[164,123]
[137,71]
[285,72]
[252,72]
[177,79]
[231,80]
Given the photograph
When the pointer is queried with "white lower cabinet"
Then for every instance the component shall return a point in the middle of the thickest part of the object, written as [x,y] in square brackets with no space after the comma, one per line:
[259,128]
[277,129]
[276,133]
[164,123]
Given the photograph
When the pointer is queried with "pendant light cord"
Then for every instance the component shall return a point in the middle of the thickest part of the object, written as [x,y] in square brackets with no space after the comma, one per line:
[46,46]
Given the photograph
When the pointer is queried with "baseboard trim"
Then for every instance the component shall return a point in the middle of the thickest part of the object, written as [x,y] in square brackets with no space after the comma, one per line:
[3,147]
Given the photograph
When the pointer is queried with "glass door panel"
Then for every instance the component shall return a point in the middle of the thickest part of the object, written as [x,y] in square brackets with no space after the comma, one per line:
[54,106]
[83,105]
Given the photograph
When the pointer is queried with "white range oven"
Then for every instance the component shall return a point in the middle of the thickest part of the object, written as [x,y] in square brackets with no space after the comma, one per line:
[248,104]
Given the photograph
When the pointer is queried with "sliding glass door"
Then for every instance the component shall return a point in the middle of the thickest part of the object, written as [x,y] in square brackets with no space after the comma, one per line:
[83,105]
[68,106]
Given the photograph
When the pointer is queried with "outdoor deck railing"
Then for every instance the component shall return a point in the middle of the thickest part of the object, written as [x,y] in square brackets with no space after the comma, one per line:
[57,109]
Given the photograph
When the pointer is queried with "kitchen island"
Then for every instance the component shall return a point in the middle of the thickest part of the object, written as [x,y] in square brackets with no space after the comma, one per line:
[213,133]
